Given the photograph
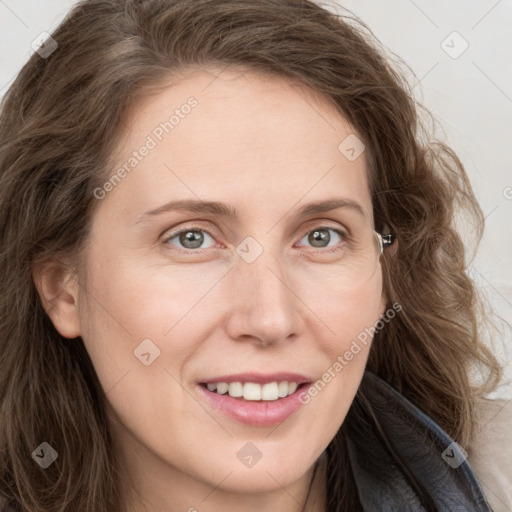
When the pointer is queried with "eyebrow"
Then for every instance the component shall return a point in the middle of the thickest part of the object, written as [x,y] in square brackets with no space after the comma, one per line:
[229,211]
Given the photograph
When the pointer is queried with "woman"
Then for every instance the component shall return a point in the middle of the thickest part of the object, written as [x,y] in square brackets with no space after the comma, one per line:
[230,274]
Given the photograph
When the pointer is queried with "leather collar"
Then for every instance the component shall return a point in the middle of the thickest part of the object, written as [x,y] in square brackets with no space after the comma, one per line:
[402,460]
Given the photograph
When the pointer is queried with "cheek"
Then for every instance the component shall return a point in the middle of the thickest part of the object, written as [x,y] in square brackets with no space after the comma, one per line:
[141,319]
[155,298]
[349,314]
[350,318]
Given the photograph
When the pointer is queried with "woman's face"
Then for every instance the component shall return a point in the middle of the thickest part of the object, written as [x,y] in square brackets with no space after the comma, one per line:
[255,297]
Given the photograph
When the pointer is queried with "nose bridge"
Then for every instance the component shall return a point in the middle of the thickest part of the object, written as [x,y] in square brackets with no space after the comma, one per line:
[264,304]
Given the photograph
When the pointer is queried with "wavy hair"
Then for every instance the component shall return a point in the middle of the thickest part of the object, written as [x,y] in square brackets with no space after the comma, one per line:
[61,120]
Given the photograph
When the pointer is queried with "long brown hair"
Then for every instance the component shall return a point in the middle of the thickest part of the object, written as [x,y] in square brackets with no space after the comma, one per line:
[60,121]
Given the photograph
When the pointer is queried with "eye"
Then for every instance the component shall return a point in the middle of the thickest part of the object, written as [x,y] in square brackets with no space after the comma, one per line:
[319,237]
[190,238]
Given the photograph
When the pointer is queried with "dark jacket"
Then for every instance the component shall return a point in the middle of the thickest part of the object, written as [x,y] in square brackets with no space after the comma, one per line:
[402,461]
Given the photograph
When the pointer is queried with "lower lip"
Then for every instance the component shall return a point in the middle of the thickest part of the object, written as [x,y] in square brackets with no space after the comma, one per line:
[260,413]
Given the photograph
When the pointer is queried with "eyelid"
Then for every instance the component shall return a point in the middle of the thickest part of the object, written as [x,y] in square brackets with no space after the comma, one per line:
[324,224]
[312,224]
[171,233]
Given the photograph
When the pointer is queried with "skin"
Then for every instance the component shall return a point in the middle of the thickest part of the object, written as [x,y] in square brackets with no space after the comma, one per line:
[266,147]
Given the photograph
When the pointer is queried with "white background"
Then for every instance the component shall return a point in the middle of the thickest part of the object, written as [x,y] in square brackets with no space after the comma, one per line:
[470,95]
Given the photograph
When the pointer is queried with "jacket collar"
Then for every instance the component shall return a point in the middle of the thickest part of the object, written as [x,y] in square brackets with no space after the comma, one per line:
[402,459]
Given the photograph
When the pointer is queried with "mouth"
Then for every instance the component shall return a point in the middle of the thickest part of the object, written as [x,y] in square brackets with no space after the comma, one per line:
[253,399]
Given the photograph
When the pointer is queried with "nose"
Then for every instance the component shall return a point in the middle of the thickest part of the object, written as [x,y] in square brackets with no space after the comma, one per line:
[264,309]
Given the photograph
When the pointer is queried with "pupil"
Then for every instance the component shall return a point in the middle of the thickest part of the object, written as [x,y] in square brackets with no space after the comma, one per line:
[319,235]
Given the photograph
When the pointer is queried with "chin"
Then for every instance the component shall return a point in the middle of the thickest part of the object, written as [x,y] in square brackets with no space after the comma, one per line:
[261,480]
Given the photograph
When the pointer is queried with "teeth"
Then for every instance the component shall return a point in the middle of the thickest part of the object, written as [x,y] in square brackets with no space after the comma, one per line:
[282,389]
[270,391]
[235,389]
[253,391]
[222,387]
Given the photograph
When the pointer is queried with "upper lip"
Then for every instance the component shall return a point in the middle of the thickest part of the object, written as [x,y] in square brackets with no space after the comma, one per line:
[259,378]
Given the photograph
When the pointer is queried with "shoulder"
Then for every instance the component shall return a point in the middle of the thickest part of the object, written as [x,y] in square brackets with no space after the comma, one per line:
[490,452]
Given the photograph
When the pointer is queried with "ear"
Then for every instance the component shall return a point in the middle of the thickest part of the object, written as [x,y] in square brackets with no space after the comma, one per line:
[58,291]
[391,250]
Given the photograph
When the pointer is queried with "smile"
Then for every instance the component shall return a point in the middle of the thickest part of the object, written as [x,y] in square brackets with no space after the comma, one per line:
[253,399]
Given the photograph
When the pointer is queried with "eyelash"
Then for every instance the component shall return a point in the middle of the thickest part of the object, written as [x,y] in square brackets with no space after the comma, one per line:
[343,234]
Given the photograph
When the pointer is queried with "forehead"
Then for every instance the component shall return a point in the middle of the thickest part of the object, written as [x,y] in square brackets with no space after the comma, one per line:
[239,137]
